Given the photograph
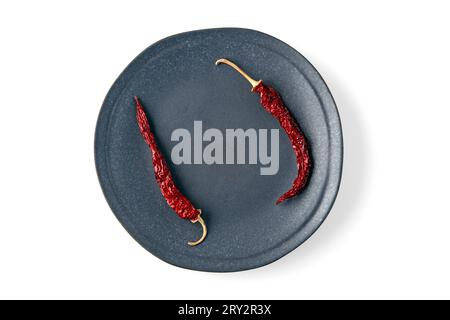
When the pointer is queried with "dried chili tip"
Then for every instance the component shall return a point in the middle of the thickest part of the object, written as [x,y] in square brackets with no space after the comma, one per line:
[174,198]
[272,103]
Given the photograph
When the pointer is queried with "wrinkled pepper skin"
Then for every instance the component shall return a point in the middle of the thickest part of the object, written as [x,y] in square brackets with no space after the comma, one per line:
[272,103]
[175,199]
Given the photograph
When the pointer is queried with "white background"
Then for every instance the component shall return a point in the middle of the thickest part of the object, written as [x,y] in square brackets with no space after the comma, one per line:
[387,64]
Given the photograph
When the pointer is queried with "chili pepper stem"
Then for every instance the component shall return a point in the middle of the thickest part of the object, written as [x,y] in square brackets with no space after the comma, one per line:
[252,81]
[200,220]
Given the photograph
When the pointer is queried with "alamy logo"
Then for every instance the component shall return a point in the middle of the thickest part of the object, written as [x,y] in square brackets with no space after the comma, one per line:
[209,147]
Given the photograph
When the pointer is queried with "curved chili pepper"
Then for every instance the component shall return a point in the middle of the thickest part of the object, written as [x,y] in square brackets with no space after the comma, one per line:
[175,199]
[272,103]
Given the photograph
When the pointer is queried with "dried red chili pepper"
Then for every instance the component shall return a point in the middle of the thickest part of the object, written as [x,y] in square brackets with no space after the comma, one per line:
[272,102]
[175,199]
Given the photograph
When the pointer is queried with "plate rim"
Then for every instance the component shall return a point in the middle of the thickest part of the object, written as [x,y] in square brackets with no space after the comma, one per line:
[324,206]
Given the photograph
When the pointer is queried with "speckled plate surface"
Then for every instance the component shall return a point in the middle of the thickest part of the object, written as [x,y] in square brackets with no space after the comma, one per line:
[178,83]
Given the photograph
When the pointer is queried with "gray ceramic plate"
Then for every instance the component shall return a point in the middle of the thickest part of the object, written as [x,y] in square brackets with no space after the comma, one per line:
[178,84]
